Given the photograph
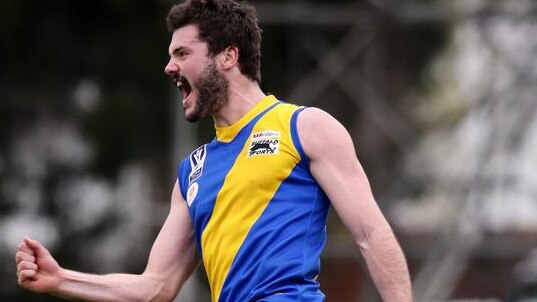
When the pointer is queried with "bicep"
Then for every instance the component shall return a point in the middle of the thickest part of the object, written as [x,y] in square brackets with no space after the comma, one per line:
[335,166]
[173,255]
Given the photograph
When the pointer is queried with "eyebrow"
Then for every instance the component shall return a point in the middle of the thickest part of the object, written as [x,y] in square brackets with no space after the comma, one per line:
[175,50]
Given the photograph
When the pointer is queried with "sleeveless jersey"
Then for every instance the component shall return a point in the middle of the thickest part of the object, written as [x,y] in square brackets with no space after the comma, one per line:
[259,216]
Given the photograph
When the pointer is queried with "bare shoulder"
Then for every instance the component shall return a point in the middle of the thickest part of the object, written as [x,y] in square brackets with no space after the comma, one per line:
[176,193]
[177,201]
[319,131]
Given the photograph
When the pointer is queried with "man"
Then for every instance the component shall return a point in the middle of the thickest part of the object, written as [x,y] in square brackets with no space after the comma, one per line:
[253,203]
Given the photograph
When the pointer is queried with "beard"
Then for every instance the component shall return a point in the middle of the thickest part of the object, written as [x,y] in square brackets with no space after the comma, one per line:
[212,89]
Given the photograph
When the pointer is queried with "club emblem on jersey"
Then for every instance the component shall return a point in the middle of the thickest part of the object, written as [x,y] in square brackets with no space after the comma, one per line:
[192,193]
[197,159]
[265,142]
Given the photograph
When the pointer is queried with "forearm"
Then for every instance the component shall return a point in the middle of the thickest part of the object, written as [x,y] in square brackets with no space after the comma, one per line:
[387,265]
[78,286]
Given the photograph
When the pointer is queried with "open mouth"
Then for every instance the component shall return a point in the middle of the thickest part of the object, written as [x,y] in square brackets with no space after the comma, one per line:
[182,83]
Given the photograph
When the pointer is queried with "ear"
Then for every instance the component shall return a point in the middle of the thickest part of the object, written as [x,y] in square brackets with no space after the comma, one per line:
[229,57]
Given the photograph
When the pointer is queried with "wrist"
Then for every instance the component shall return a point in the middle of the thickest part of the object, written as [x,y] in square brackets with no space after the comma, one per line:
[60,284]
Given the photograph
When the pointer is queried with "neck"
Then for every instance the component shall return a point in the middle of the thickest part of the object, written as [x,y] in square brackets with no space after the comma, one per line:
[243,96]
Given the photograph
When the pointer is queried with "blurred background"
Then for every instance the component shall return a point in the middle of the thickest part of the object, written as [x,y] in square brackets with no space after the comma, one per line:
[439,96]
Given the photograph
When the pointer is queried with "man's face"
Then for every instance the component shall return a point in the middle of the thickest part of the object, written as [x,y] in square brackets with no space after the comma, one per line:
[203,87]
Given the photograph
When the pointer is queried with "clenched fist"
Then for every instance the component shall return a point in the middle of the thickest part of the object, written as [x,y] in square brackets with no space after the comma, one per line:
[36,268]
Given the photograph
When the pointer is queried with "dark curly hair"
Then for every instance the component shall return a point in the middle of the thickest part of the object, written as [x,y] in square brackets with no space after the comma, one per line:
[223,23]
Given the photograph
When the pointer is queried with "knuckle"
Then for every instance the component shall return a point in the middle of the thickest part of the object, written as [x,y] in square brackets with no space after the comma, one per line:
[19,255]
[22,280]
[24,265]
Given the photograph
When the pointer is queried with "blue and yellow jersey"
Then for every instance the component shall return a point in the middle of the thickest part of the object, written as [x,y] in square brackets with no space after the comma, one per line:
[259,216]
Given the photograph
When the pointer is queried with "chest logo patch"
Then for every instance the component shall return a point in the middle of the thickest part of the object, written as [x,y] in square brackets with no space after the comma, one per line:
[264,142]
[197,159]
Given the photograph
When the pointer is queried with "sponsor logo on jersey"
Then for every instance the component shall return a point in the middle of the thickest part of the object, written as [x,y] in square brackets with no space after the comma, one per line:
[197,159]
[265,142]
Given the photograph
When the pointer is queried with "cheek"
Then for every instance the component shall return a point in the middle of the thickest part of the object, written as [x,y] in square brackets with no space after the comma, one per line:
[191,73]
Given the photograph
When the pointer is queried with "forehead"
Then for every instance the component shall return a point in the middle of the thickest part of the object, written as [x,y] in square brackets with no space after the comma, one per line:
[186,36]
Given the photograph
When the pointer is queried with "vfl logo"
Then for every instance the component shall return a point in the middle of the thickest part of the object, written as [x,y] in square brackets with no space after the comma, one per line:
[197,159]
[265,142]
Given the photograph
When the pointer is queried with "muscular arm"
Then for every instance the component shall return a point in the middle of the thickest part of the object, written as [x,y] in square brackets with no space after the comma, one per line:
[334,165]
[171,261]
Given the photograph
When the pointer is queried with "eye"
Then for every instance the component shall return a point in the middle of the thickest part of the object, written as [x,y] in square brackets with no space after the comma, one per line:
[179,53]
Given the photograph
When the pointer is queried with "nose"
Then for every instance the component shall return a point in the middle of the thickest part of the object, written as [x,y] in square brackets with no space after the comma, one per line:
[171,68]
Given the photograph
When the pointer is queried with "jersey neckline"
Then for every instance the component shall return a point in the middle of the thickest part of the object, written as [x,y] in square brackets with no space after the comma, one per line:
[227,133]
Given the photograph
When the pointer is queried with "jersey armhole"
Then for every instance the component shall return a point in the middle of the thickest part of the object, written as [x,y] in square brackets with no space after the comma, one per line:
[296,138]
[182,175]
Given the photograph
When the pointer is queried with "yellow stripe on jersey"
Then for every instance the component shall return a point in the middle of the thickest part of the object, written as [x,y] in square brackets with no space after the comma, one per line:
[235,211]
